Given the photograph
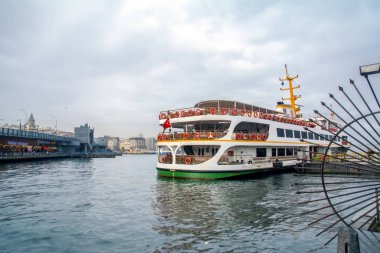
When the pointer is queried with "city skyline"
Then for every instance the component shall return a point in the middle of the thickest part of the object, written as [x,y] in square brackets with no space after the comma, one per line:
[116,65]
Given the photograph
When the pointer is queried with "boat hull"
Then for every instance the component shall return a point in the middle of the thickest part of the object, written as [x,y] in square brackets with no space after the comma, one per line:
[210,175]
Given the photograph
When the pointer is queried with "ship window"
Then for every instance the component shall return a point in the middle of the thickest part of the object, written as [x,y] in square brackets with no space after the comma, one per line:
[295,151]
[280,132]
[250,127]
[289,133]
[330,137]
[344,138]
[274,153]
[326,137]
[338,139]
[310,135]
[280,152]
[289,151]
[316,136]
[297,134]
[304,135]
[261,152]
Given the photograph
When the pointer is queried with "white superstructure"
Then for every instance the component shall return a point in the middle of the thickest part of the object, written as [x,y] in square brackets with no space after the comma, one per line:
[221,139]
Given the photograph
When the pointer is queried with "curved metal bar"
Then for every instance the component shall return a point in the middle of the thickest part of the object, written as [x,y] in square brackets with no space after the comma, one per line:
[323,166]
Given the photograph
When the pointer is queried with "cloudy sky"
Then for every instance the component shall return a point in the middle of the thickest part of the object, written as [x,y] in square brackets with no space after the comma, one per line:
[117,64]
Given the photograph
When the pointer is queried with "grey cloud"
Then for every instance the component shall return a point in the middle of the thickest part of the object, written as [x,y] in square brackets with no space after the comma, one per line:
[117,64]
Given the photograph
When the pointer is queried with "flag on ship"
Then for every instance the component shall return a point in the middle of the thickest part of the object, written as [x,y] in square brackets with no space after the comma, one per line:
[167,124]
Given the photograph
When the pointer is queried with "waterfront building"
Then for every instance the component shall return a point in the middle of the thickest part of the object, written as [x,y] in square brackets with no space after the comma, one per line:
[102,141]
[125,145]
[137,143]
[113,144]
[85,135]
[151,143]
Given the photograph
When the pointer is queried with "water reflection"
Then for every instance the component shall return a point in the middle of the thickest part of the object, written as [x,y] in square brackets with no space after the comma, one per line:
[218,215]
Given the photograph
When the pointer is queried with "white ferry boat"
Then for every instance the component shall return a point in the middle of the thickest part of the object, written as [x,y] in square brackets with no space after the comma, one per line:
[221,139]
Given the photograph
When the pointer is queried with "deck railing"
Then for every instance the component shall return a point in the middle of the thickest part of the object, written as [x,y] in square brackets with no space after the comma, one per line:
[197,135]
[210,135]
[189,112]
[250,136]
[191,159]
[249,159]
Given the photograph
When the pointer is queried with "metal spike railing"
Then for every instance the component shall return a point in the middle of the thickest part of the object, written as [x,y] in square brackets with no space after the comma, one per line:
[353,196]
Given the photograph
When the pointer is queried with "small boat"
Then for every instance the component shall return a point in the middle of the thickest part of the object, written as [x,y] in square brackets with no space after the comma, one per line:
[220,139]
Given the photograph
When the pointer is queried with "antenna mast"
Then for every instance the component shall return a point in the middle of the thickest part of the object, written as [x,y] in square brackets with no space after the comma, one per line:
[291,89]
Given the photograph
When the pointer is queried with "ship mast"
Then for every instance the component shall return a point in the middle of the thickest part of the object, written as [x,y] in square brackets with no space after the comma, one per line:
[292,98]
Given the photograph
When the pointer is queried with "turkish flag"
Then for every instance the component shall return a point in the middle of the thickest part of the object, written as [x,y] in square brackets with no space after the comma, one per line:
[167,124]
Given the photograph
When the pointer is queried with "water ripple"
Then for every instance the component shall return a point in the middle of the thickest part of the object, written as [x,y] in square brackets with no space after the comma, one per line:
[119,205]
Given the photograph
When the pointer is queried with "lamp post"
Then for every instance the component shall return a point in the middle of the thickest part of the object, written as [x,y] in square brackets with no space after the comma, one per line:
[56,121]
[370,70]
[26,117]
[19,120]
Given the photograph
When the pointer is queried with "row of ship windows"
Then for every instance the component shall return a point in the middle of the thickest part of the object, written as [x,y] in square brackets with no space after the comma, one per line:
[262,152]
[288,133]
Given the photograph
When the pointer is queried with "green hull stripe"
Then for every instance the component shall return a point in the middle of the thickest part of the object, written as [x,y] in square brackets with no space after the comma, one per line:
[202,175]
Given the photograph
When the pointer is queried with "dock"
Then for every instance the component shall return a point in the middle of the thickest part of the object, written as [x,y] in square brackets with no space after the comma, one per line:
[27,157]
[31,157]
[333,168]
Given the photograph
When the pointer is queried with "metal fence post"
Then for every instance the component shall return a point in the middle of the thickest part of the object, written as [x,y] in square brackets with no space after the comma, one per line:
[377,206]
[348,240]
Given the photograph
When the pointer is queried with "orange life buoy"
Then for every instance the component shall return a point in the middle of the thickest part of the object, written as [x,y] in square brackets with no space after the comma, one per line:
[234,112]
[159,137]
[186,135]
[212,110]
[249,113]
[198,112]
[183,114]
[255,114]
[260,115]
[237,136]
[162,116]
[196,135]
[253,136]
[210,135]
[191,113]
[245,136]
[224,111]
[242,112]
[188,160]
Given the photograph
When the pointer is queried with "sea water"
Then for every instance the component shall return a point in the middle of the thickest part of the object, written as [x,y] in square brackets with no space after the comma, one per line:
[120,205]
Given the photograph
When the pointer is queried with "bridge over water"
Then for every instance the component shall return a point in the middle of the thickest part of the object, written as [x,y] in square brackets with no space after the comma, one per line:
[23,141]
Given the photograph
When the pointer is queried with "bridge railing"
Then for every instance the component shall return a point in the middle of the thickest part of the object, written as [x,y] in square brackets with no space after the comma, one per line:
[32,135]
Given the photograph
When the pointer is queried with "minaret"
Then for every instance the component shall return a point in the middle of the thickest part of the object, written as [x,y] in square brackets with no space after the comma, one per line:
[292,98]
[31,122]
